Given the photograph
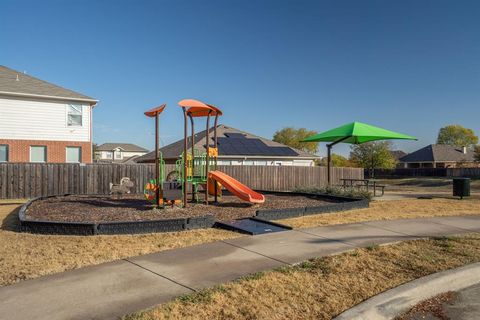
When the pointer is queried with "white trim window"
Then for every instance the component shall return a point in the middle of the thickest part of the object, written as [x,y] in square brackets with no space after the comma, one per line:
[3,153]
[118,154]
[38,154]
[74,154]
[74,115]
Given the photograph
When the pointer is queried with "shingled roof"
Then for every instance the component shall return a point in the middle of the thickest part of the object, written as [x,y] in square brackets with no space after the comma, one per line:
[17,83]
[128,147]
[439,153]
[232,142]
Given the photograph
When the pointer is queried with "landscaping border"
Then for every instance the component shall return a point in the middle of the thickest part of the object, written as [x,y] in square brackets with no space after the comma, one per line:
[179,224]
[343,204]
[109,228]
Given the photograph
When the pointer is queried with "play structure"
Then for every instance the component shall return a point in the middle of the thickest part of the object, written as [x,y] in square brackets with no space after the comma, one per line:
[196,169]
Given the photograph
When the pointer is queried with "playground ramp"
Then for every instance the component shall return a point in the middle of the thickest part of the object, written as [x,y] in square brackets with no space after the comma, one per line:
[236,187]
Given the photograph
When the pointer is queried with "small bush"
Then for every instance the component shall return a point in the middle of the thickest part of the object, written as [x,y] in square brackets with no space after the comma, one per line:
[336,191]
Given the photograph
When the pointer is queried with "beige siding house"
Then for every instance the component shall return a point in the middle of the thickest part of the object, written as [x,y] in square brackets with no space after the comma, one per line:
[42,122]
[118,152]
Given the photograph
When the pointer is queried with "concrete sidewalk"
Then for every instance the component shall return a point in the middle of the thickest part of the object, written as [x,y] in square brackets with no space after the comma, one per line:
[111,290]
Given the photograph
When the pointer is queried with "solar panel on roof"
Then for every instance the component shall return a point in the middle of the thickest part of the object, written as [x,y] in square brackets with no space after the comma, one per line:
[244,146]
[235,135]
[286,151]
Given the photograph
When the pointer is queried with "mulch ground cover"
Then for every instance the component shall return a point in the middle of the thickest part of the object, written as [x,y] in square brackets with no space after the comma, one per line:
[136,208]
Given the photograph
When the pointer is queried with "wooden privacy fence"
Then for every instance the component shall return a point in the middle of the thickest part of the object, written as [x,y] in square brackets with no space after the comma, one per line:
[425,172]
[406,173]
[463,172]
[28,180]
[287,178]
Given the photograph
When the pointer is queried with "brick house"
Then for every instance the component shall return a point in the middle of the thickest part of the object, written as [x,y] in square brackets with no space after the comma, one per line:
[42,122]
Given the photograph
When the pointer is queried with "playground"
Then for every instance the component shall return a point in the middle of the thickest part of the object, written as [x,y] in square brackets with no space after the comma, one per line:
[195,195]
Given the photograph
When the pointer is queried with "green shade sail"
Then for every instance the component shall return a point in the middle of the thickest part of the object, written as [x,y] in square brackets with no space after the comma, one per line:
[357,133]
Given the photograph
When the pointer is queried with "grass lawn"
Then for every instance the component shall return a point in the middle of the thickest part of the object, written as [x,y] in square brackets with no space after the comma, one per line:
[321,288]
[25,256]
[390,210]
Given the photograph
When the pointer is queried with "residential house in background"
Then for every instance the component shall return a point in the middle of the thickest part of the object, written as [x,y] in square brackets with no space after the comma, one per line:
[236,147]
[397,154]
[439,156]
[42,122]
[118,152]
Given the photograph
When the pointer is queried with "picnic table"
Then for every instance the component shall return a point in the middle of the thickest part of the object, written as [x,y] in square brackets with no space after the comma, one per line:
[363,183]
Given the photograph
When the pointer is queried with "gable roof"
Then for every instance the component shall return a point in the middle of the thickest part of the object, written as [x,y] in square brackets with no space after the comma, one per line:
[439,153]
[17,83]
[128,147]
[232,142]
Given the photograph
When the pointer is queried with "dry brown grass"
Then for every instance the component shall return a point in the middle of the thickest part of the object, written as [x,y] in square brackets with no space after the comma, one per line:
[25,256]
[321,288]
[390,210]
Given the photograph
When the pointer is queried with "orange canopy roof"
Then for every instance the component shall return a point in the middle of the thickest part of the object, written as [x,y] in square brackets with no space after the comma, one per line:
[153,112]
[197,108]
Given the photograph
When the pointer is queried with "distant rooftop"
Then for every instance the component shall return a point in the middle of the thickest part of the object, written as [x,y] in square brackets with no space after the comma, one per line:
[397,154]
[127,147]
[439,153]
[232,142]
[17,83]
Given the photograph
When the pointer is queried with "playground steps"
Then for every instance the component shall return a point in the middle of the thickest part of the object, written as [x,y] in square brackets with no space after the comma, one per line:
[252,226]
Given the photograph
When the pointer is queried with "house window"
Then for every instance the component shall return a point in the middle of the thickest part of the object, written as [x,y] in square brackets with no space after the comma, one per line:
[74,115]
[38,154]
[74,154]
[118,154]
[108,155]
[3,153]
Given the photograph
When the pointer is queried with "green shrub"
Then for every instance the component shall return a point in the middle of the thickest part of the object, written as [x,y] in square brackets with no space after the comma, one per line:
[337,191]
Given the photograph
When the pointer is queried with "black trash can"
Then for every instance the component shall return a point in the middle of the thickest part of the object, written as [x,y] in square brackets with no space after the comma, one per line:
[461,187]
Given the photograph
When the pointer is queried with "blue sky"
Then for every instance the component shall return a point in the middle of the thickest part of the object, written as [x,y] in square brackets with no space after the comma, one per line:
[409,66]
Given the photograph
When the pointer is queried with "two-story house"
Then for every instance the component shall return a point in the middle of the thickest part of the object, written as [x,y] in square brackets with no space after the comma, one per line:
[118,152]
[42,122]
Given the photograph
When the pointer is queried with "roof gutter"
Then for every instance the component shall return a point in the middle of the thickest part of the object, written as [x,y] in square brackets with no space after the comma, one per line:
[92,102]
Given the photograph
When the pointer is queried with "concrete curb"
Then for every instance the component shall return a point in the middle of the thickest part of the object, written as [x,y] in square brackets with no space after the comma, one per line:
[393,302]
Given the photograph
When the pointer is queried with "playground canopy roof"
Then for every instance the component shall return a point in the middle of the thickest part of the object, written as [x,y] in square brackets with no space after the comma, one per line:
[196,108]
[357,133]
[155,111]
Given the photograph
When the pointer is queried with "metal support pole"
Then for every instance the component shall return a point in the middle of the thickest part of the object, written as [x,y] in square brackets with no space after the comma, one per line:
[329,164]
[215,144]
[185,134]
[157,164]
[329,158]
[207,158]
[193,154]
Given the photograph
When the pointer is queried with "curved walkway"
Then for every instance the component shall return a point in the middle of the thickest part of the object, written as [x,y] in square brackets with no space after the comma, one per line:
[111,290]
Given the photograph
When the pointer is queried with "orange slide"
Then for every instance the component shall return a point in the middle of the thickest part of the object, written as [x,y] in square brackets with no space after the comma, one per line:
[236,187]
